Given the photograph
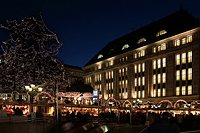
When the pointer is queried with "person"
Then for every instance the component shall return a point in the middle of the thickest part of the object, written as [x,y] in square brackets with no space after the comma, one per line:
[18,111]
[3,113]
[164,125]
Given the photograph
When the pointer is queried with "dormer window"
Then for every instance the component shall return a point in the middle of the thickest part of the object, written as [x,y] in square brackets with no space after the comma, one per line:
[100,56]
[125,46]
[162,32]
[141,40]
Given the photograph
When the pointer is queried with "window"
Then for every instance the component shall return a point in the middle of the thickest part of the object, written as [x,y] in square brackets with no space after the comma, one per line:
[143,81]
[164,92]
[189,39]
[99,66]
[142,93]
[158,78]
[139,94]
[162,32]
[141,40]
[139,54]
[177,42]
[189,56]
[164,62]
[190,74]
[159,63]
[178,59]
[139,68]
[135,81]
[190,90]
[183,90]
[100,56]
[159,48]
[177,75]
[154,79]
[164,78]
[159,93]
[183,74]
[135,55]
[135,94]
[183,58]
[177,91]
[139,81]
[154,50]
[154,64]
[125,46]
[183,41]
[143,67]
[154,92]
[163,46]
[142,53]
[135,68]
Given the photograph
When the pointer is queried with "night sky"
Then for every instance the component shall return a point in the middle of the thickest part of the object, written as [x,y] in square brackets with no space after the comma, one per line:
[86,26]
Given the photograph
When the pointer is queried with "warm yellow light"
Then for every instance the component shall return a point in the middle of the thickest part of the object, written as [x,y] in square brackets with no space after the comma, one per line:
[30,89]
[32,86]
[27,87]
[40,89]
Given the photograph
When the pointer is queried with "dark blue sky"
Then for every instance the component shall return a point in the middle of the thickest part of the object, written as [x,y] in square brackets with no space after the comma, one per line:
[86,26]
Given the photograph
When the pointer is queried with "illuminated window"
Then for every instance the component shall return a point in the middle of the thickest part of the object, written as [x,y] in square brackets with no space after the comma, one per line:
[139,81]
[99,66]
[125,46]
[163,46]
[142,53]
[154,50]
[110,63]
[178,59]
[189,39]
[159,63]
[100,56]
[177,42]
[177,91]
[190,74]
[143,67]
[159,93]
[183,57]
[164,78]
[139,54]
[139,68]
[158,78]
[141,40]
[164,62]
[159,48]
[154,79]
[120,72]
[135,55]
[183,90]
[126,58]
[183,41]
[189,56]
[135,94]
[154,64]
[154,92]
[143,81]
[164,92]
[139,94]
[190,90]
[126,83]
[177,75]
[162,32]
[183,74]
[135,81]
[142,93]
[135,68]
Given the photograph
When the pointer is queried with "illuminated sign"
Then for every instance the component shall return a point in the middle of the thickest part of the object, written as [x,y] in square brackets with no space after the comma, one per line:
[95,98]
[95,92]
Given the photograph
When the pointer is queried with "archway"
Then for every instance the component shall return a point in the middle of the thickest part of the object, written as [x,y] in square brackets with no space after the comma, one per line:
[180,103]
[114,100]
[165,103]
[129,103]
[45,93]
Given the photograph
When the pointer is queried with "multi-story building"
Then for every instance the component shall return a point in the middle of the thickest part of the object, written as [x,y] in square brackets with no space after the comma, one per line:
[157,63]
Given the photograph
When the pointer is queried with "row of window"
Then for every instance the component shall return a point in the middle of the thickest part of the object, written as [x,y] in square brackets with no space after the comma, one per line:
[139,94]
[139,54]
[159,93]
[183,58]
[181,74]
[182,90]
[159,48]
[183,41]
[158,63]
[139,67]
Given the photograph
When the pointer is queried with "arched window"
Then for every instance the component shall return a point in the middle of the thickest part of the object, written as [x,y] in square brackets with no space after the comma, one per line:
[141,40]
[125,46]
[161,32]
[100,56]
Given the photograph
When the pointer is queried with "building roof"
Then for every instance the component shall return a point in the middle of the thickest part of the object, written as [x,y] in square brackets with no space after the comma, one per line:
[175,23]
[73,67]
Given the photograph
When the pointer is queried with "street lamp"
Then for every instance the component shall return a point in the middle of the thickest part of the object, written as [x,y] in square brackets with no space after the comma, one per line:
[32,90]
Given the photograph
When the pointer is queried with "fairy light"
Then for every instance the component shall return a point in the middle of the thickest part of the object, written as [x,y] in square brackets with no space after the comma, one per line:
[29,54]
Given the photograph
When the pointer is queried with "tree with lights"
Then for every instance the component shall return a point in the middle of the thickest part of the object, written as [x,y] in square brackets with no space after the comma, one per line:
[29,54]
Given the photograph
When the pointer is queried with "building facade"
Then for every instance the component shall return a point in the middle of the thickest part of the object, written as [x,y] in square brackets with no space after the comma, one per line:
[153,64]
